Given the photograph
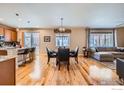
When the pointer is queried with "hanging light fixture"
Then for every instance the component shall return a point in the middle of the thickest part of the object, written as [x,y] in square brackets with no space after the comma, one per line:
[62,29]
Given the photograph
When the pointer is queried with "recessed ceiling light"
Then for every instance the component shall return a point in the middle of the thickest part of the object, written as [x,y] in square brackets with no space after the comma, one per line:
[19,19]
[28,22]
[17,14]
[1,19]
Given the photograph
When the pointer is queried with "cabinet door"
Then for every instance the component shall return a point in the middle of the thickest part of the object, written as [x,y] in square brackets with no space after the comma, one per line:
[14,35]
[8,35]
[1,31]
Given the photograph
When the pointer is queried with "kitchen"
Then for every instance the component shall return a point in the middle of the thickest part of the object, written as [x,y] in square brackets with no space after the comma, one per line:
[12,54]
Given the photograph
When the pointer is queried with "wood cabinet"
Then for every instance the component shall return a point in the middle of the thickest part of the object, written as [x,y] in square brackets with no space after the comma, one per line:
[13,36]
[3,52]
[10,35]
[1,31]
[7,72]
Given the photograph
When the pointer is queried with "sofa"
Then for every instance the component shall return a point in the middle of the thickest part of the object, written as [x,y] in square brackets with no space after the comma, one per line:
[106,54]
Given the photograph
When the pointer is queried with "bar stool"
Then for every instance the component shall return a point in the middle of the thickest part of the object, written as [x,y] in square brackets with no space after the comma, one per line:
[30,55]
[20,57]
[33,53]
[26,52]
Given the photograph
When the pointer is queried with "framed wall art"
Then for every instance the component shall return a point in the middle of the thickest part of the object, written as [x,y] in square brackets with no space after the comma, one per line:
[47,38]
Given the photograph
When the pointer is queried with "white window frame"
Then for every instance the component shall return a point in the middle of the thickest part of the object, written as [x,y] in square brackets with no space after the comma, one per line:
[102,31]
[60,35]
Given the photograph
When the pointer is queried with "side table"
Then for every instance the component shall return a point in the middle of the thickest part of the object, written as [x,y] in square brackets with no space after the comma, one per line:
[86,53]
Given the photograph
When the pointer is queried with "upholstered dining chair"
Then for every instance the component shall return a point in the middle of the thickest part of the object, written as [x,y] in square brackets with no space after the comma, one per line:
[63,56]
[74,53]
[50,54]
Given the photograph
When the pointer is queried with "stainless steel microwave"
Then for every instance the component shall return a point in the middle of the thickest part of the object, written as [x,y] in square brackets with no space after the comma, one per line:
[2,38]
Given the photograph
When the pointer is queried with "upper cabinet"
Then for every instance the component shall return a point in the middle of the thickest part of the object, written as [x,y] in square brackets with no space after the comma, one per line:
[10,35]
[1,31]
[14,36]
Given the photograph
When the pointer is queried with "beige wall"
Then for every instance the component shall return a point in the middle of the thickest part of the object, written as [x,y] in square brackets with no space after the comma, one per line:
[120,37]
[78,38]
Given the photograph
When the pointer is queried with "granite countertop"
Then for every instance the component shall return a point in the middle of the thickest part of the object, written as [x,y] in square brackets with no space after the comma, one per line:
[13,48]
[4,58]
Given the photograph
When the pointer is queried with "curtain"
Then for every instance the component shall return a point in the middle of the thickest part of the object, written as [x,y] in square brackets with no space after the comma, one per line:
[87,37]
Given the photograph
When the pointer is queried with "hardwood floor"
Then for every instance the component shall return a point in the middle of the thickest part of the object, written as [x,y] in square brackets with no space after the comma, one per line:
[48,74]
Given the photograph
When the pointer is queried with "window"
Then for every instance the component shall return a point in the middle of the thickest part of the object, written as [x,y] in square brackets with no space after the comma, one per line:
[62,40]
[31,39]
[101,39]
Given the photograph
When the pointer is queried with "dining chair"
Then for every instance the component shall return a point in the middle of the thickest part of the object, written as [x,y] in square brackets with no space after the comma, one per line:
[26,55]
[63,56]
[74,53]
[50,54]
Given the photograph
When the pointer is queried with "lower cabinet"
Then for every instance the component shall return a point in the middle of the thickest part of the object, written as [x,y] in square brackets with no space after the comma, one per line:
[7,72]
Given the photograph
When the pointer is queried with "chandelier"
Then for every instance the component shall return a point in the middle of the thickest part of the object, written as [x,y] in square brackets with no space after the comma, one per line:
[62,29]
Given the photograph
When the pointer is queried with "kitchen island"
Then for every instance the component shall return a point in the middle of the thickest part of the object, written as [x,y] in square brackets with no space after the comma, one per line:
[22,54]
[7,70]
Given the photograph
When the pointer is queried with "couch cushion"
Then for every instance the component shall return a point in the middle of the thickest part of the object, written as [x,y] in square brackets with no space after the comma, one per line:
[118,54]
[103,56]
[98,49]
[93,49]
[103,53]
[102,49]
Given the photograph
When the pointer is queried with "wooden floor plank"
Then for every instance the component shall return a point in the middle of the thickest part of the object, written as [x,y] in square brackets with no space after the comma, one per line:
[78,73]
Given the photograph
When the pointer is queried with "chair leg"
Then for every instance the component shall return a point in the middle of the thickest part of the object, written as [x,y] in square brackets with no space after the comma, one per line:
[25,59]
[30,58]
[59,65]
[56,62]
[119,77]
[68,66]
[76,59]
[48,60]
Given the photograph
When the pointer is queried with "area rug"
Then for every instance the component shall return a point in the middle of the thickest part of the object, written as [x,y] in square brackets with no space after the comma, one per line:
[110,65]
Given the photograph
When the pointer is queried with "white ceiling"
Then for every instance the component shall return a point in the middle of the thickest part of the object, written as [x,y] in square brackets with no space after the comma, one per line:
[76,15]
